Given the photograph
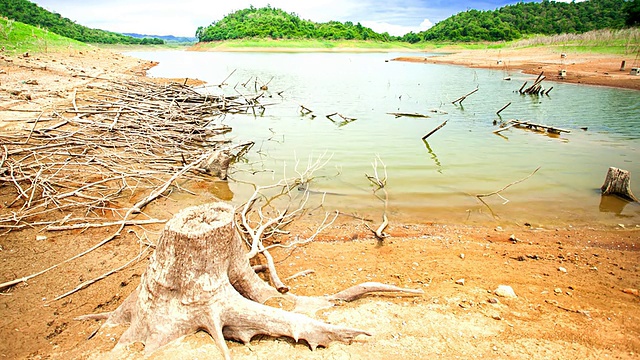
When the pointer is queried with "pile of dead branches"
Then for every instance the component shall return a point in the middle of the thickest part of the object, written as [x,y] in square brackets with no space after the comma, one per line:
[116,142]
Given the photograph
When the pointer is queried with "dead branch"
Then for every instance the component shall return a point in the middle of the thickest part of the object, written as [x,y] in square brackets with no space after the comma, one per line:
[380,184]
[507,186]
[463,97]
[415,115]
[502,108]
[103,276]
[260,220]
[434,130]
[357,291]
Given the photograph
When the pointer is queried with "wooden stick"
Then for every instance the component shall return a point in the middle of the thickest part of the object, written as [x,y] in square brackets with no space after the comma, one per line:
[502,108]
[509,185]
[461,98]
[434,130]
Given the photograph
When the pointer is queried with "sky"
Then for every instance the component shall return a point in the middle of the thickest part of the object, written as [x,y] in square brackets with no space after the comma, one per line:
[183,17]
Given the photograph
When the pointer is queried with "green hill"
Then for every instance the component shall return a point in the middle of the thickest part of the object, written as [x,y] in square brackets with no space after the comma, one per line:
[545,18]
[32,14]
[274,23]
[16,37]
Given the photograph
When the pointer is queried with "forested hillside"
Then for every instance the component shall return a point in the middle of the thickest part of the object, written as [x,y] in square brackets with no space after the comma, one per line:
[274,23]
[32,14]
[546,18]
[507,23]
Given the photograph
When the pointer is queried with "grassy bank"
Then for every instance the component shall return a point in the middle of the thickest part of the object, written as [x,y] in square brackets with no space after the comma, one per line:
[615,42]
[298,45]
[16,37]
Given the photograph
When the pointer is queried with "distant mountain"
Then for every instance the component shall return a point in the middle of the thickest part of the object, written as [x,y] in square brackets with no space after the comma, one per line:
[168,38]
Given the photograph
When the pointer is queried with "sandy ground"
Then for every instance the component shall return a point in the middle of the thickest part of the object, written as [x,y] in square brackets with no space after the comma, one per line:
[576,287]
[581,68]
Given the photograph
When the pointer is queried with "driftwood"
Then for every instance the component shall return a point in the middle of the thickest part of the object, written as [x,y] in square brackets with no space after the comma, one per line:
[532,126]
[463,97]
[415,115]
[502,108]
[618,182]
[345,119]
[380,183]
[222,294]
[434,130]
[117,141]
[536,88]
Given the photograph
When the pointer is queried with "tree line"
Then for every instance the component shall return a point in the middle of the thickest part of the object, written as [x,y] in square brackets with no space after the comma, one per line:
[29,13]
[507,23]
[546,18]
[268,22]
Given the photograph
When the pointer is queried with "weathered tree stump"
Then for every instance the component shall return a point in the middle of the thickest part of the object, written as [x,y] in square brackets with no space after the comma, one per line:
[618,182]
[200,279]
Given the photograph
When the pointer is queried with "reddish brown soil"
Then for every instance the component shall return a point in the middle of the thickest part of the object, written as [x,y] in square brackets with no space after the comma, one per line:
[576,286]
[581,68]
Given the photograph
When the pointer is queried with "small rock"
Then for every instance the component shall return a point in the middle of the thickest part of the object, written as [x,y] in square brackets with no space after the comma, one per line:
[493,301]
[561,269]
[461,256]
[41,238]
[557,291]
[460,281]
[496,317]
[495,348]
[593,268]
[621,225]
[513,239]
[505,291]
[498,228]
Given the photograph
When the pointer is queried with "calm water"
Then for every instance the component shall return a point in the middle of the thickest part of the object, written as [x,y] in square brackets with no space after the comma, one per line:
[437,180]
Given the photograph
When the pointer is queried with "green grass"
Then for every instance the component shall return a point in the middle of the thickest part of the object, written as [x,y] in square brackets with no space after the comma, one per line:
[16,37]
[307,44]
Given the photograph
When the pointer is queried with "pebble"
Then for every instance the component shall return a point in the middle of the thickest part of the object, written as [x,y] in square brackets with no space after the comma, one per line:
[493,301]
[557,291]
[460,281]
[41,238]
[505,291]
[561,269]
[461,256]
[496,317]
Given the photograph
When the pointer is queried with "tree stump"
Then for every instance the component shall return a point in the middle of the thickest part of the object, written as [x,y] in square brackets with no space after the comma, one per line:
[618,182]
[199,278]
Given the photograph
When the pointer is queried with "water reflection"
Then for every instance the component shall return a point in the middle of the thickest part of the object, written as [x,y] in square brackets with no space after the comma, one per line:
[434,157]
[613,204]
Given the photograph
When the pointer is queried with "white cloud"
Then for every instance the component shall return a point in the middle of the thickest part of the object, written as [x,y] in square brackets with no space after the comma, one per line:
[396,30]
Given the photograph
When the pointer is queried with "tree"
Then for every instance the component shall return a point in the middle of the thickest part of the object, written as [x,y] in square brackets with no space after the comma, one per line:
[632,10]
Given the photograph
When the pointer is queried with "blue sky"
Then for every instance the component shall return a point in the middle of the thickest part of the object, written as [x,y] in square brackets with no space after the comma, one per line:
[182,17]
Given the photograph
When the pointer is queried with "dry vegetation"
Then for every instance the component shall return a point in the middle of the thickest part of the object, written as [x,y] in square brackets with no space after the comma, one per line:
[77,149]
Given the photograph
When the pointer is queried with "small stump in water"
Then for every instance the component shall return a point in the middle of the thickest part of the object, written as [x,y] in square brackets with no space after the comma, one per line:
[618,182]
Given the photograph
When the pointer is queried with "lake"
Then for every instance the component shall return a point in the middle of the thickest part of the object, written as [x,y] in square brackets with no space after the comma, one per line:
[436,180]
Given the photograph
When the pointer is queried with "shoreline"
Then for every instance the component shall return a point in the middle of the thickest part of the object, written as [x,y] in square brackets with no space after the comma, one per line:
[581,68]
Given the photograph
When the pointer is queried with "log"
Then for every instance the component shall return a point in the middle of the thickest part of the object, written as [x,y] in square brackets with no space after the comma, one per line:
[200,279]
[618,182]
